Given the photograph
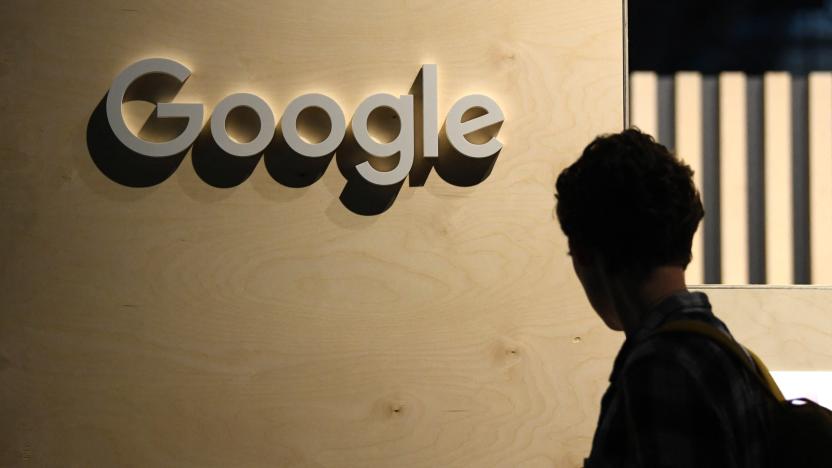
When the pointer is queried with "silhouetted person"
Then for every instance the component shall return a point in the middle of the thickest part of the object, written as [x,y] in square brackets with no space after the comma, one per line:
[629,209]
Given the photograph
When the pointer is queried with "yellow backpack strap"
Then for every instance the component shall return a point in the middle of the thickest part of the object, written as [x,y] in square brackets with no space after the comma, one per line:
[728,344]
[766,376]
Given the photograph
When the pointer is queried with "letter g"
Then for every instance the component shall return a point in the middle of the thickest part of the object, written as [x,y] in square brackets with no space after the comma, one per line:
[193,112]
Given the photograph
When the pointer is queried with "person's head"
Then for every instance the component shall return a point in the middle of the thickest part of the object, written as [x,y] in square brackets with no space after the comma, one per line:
[628,207]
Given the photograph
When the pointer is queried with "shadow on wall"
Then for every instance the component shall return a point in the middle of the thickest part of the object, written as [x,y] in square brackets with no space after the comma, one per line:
[222,170]
[121,164]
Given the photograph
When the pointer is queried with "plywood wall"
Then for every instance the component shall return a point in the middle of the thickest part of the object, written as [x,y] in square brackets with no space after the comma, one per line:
[204,314]
[787,326]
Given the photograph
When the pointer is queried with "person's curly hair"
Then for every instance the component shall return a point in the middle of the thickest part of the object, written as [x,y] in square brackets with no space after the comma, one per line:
[630,200]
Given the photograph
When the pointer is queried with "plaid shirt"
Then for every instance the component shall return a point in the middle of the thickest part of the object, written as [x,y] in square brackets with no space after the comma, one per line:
[679,400]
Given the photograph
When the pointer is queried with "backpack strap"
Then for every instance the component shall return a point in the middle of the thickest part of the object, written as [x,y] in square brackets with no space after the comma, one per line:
[728,344]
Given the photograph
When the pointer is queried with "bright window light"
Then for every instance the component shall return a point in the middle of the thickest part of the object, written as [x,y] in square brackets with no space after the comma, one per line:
[814,385]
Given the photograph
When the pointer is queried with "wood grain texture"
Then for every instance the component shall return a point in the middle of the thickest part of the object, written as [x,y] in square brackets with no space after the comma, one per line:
[689,149]
[789,327]
[820,176]
[779,222]
[733,160]
[183,324]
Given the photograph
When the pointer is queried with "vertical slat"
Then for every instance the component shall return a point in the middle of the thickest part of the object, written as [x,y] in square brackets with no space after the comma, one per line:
[756,180]
[644,102]
[667,111]
[820,176]
[711,176]
[734,178]
[778,178]
[800,177]
[689,149]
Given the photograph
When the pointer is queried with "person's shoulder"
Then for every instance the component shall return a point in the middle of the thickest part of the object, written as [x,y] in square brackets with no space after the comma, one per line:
[677,347]
[697,358]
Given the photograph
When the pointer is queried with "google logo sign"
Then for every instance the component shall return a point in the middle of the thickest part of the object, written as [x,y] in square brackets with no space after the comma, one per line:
[458,127]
